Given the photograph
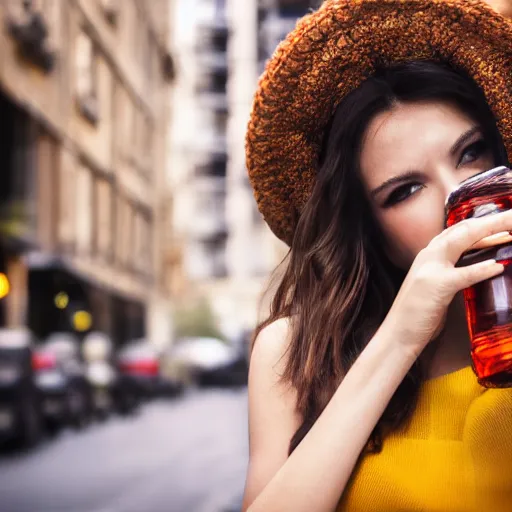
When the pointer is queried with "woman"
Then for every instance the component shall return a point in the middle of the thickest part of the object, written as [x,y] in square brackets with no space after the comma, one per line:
[361,392]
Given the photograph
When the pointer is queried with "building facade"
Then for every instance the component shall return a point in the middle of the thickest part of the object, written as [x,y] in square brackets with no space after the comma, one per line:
[84,93]
[228,252]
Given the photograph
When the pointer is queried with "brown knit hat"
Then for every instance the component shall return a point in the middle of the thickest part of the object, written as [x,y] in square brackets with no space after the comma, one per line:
[330,53]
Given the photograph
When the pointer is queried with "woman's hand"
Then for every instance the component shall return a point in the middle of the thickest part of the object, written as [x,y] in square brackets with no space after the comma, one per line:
[433,280]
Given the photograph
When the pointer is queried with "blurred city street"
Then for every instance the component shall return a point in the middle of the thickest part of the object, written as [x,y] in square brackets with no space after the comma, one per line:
[134,262]
[183,455]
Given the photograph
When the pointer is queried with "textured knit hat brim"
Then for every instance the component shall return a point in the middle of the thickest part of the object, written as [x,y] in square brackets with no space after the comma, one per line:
[330,53]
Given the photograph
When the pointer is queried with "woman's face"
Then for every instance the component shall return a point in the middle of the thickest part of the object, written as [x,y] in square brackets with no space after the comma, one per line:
[412,157]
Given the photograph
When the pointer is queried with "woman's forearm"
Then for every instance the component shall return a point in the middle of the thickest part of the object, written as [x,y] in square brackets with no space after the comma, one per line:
[316,473]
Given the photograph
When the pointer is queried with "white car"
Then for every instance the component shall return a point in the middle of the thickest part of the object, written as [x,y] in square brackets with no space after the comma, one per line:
[210,361]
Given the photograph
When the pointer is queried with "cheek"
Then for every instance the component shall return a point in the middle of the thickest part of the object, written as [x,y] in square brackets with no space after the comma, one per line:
[409,228]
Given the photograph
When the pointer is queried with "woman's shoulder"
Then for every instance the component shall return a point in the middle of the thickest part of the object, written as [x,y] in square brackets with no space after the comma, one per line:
[273,418]
[271,344]
[269,358]
[272,401]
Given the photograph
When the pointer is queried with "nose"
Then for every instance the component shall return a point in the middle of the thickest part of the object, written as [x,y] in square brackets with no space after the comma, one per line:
[449,182]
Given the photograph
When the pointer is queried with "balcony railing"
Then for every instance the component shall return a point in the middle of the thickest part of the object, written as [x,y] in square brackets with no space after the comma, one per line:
[216,167]
[214,62]
[212,143]
[213,100]
[209,219]
[213,38]
[209,266]
[213,80]
[302,5]
[31,35]
[212,13]
[208,225]
[212,88]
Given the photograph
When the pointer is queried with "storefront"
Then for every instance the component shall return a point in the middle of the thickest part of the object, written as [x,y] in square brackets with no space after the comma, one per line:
[58,302]
[62,300]
[128,319]
[18,206]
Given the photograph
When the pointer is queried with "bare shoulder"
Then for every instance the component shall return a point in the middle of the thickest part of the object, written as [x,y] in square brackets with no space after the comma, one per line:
[269,396]
[271,345]
[273,419]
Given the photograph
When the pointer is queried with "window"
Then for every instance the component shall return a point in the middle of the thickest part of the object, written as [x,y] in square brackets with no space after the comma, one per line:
[219,40]
[34,25]
[85,66]
[86,77]
[67,206]
[147,237]
[137,242]
[142,243]
[220,9]
[129,236]
[220,122]
[219,80]
[211,205]
[120,229]
[83,202]
[110,10]
[213,38]
[52,12]
[214,81]
[147,145]
[124,236]
[142,141]
[147,51]
[124,119]
[136,131]
[215,253]
[138,36]
[104,219]
[216,167]
[295,9]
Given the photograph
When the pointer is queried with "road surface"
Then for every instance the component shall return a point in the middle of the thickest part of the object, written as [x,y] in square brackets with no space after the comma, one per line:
[182,455]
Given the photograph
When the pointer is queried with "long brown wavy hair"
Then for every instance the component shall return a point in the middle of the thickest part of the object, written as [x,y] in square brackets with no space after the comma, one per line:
[338,283]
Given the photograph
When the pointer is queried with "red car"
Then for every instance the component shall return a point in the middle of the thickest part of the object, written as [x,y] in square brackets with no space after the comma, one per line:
[139,364]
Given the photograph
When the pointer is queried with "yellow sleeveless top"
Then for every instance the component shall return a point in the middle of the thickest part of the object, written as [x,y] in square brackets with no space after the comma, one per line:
[454,456]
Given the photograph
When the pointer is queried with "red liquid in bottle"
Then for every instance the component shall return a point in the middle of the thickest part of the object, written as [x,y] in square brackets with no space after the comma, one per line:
[489,303]
[489,316]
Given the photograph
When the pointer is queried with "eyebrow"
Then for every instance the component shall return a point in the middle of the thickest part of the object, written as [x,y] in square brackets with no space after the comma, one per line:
[411,175]
[463,139]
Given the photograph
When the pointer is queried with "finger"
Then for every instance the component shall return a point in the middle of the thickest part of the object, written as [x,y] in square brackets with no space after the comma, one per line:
[461,237]
[476,273]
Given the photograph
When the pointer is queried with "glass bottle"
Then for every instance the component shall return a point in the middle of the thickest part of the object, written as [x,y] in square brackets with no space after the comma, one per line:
[489,303]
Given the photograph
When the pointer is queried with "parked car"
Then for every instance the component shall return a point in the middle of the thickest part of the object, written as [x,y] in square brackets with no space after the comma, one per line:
[169,386]
[20,414]
[233,374]
[211,362]
[101,373]
[140,364]
[60,377]
[127,396]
